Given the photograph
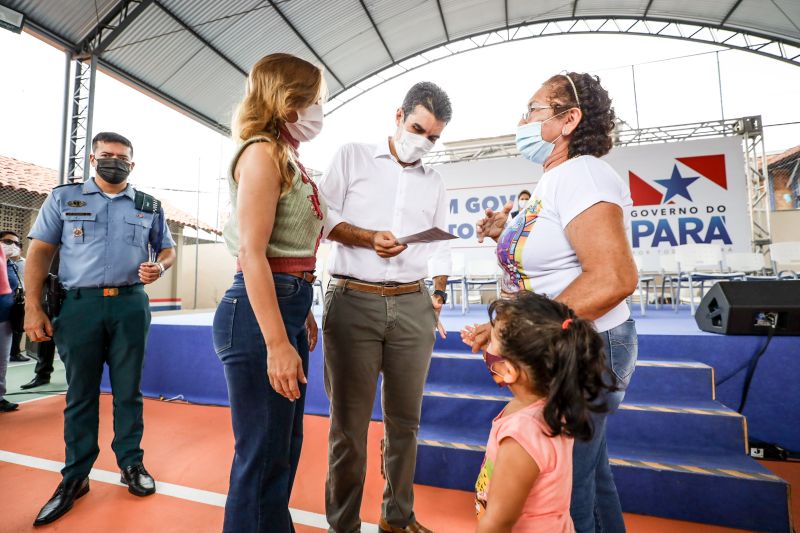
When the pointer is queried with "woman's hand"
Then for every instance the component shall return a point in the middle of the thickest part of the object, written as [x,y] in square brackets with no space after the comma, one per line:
[492,225]
[477,336]
[312,330]
[285,369]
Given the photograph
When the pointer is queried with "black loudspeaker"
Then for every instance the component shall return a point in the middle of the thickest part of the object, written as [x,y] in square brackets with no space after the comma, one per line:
[751,308]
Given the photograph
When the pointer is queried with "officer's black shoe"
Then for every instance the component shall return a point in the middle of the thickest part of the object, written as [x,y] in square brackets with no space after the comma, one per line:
[18,358]
[139,482]
[62,500]
[38,381]
[7,407]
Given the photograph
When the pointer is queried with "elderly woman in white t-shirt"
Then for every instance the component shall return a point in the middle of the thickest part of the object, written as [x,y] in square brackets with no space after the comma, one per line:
[570,243]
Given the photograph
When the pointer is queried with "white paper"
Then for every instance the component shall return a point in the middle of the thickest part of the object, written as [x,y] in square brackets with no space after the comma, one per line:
[429,235]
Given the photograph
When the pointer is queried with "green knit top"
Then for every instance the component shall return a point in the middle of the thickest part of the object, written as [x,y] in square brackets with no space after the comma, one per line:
[298,220]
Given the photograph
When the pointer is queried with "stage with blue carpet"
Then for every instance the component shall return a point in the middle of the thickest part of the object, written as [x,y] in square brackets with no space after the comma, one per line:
[677,444]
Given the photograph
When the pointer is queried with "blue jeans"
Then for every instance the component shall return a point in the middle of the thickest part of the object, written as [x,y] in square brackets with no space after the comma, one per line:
[595,503]
[268,428]
[5,352]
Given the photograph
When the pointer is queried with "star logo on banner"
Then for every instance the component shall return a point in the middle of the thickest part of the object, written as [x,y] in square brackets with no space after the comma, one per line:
[677,185]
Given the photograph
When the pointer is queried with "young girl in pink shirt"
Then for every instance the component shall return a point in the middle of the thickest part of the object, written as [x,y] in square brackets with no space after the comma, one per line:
[554,365]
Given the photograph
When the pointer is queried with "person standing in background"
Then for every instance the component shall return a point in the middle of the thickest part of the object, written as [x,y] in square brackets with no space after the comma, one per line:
[7,287]
[12,246]
[523,198]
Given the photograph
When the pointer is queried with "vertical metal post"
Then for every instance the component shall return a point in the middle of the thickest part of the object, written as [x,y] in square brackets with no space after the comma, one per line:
[62,162]
[75,122]
[197,237]
[87,146]
[635,99]
[719,83]
[757,180]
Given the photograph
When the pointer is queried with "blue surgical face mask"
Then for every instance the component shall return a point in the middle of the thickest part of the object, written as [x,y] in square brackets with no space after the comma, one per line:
[530,143]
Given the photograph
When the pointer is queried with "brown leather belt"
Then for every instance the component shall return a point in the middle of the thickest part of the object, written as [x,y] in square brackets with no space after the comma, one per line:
[307,276]
[382,289]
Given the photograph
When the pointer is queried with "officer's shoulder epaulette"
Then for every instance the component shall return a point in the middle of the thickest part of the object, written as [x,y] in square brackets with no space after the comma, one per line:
[146,202]
[67,185]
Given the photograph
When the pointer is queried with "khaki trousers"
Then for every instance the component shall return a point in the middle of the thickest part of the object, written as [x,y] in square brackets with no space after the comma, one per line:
[365,335]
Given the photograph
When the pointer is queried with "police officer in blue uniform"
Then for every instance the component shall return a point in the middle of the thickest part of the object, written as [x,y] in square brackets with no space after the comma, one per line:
[112,240]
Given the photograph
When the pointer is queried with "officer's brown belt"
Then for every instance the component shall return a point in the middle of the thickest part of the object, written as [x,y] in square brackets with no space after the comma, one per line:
[104,292]
[382,289]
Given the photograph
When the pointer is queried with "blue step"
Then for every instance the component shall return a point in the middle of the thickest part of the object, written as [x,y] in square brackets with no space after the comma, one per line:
[723,489]
[671,381]
[691,426]
[729,490]
[697,425]
[675,451]
[458,411]
[655,380]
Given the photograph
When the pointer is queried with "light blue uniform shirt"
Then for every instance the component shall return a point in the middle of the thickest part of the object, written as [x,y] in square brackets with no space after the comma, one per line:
[103,240]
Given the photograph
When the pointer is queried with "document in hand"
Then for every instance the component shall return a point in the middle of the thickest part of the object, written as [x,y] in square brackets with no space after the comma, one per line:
[429,235]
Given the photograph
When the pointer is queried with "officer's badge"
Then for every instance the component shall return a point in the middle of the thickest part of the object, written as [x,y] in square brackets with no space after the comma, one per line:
[76,203]
[77,232]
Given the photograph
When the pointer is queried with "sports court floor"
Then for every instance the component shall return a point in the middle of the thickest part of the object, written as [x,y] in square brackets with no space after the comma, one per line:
[188,449]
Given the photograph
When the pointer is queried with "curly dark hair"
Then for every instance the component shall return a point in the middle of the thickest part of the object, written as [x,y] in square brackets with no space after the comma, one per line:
[593,134]
[566,364]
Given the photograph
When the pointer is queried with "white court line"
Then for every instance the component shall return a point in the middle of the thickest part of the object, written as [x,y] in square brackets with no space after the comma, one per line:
[182,492]
[44,395]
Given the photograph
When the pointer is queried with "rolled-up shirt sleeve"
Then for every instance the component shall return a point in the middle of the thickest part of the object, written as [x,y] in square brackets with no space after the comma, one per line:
[441,261]
[48,226]
[333,188]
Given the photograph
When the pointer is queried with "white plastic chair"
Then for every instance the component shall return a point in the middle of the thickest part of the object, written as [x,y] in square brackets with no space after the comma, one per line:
[697,264]
[744,262]
[648,266]
[669,272]
[785,255]
[481,275]
[456,279]
[319,271]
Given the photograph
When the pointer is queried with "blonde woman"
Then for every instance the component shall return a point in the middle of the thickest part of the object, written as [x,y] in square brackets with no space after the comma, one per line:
[263,327]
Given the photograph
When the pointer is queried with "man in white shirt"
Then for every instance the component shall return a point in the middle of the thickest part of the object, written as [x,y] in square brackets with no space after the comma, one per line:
[379,316]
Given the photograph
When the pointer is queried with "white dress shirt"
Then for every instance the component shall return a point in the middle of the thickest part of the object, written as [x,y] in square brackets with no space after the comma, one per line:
[366,187]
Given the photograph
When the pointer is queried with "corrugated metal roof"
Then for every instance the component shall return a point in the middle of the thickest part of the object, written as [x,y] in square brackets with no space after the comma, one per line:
[195,53]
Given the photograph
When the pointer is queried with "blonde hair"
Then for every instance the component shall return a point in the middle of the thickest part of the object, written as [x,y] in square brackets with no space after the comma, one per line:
[277,84]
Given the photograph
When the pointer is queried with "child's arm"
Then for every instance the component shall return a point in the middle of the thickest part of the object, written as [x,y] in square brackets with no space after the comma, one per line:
[514,473]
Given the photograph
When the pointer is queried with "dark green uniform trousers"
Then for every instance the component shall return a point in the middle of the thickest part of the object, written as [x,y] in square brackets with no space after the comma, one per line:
[93,329]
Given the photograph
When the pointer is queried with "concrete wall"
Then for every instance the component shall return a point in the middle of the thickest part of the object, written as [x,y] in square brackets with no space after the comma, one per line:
[216,268]
[785,225]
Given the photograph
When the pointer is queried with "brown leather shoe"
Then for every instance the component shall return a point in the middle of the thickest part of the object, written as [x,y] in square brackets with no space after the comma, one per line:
[416,527]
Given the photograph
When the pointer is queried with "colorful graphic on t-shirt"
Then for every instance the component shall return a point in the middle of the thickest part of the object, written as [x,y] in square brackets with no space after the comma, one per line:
[482,485]
[510,245]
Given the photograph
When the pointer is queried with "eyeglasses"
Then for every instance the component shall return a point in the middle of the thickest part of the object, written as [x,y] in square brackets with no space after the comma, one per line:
[533,107]
[10,242]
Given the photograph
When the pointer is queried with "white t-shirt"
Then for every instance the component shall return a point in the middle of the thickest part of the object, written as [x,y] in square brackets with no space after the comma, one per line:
[534,251]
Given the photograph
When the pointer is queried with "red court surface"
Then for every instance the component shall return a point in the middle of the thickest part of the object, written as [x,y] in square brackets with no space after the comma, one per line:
[191,446]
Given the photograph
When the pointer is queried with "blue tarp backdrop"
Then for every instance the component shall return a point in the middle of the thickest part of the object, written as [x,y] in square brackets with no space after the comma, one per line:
[180,361]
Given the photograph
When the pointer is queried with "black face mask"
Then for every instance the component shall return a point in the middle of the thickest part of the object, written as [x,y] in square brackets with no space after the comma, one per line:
[113,170]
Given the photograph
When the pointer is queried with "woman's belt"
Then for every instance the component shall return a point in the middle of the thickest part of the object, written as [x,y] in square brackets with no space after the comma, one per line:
[382,289]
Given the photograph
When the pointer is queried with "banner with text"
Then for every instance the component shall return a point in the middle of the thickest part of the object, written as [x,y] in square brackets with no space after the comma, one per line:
[683,193]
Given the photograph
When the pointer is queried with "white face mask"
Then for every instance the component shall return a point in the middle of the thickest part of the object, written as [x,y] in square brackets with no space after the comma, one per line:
[308,123]
[10,250]
[523,204]
[410,147]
